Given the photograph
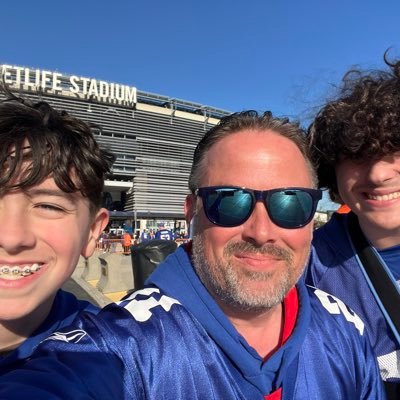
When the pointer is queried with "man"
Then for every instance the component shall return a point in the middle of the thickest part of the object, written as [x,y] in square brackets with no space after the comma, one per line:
[51,179]
[355,140]
[226,317]
[164,234]
[127,242]
[145,236]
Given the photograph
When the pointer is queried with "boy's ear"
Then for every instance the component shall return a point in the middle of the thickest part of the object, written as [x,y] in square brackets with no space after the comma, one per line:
[100,221]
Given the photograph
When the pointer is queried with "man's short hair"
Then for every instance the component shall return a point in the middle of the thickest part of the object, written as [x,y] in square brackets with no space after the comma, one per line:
[53,144]
[361,123]
[247,120]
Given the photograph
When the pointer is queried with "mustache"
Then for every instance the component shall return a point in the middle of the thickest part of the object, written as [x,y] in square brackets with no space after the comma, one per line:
[267,249]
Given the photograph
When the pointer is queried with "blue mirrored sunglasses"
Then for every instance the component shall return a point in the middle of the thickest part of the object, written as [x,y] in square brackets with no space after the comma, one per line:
[230,206]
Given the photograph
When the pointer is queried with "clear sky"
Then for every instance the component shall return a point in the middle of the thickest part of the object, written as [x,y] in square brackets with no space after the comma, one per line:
[281,55]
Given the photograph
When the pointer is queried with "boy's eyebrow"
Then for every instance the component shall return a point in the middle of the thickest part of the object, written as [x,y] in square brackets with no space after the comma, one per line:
[31,192]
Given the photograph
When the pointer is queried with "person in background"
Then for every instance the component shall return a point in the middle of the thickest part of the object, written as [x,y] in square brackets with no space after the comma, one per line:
[176,235]
[228,315]
[127,238]
[136,239]
[51,181]
[164,234]
[103,241]
[355,142]
[145,236]
[107,242]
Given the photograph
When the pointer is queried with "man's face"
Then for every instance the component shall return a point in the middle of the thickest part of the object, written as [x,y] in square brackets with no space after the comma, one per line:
[371,188]
[251,266]
[44,231]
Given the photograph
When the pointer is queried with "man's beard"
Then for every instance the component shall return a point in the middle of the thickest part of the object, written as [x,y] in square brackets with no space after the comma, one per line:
[230,284]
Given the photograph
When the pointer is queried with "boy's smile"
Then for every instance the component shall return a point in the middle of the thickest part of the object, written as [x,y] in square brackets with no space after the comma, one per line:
[13,272]
[44,232]
[52,174]
[371,188]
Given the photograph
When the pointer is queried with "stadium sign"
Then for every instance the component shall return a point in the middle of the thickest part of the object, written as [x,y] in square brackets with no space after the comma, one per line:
[54,82]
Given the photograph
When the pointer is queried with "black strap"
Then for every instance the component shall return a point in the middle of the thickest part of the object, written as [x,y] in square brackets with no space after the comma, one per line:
[392,390]
[383,285]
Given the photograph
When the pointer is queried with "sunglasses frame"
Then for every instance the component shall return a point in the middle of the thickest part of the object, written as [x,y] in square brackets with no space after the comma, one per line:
[260,195]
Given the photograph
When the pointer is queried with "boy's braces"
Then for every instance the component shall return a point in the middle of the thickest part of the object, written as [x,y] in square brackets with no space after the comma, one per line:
[23,271]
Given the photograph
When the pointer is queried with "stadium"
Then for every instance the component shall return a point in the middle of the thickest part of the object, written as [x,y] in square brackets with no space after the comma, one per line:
[153,137]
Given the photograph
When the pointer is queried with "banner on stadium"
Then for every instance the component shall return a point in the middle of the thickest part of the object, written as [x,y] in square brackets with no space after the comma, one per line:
[57,83]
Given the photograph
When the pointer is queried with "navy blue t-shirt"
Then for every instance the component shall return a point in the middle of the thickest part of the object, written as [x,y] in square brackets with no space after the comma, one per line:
[391,256]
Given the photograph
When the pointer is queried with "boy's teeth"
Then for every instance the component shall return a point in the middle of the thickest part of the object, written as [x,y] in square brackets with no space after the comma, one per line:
[34,267]
[7,272]
[385,197]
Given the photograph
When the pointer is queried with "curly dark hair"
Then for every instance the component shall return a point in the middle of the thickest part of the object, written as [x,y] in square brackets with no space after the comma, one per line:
[253,121]
[362,123]
[54,144]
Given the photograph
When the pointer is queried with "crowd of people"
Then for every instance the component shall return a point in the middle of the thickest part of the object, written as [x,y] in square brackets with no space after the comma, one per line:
[109,240]
[161,233]
[257,305]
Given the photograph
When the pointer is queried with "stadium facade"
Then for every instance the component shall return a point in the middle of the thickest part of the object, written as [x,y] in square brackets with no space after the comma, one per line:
[152,136]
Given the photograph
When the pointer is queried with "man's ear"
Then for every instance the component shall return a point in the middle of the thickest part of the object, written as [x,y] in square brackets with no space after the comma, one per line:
[100,221]
[190,207]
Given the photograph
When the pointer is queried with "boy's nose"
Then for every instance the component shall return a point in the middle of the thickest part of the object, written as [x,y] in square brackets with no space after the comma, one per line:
[15,232]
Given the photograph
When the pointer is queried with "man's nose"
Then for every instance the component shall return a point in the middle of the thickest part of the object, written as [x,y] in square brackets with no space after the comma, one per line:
[259,229]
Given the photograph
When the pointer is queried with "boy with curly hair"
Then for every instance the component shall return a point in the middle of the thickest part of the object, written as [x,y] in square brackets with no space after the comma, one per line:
[355,144]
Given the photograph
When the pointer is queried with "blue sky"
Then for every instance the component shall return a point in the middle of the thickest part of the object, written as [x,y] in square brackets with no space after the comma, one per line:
[281,55]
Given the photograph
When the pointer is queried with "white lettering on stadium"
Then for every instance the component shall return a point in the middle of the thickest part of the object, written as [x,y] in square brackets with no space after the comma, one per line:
[54,82]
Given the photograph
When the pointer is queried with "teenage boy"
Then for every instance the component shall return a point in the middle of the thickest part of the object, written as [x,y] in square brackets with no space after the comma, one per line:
[227,316]
[51,181]
[355,141]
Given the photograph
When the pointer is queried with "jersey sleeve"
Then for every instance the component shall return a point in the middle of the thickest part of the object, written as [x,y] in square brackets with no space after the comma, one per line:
[74,363]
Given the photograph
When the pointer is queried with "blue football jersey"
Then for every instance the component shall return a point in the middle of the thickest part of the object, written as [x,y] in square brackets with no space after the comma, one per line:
[335,268]
[170,340]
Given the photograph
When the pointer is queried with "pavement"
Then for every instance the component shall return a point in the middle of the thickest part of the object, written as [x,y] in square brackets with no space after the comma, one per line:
[84,290]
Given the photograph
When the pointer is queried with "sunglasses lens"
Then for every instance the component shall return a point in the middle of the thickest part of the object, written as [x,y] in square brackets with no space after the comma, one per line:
[231,206]
[228,206]
[291,208]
